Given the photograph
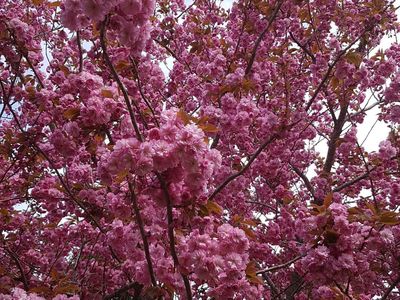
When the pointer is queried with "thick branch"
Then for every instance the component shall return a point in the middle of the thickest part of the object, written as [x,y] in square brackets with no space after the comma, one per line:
[337,130]
[274,290]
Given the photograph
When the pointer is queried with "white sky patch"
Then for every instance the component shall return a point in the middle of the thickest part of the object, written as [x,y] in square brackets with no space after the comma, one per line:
[226,4]
[167,65]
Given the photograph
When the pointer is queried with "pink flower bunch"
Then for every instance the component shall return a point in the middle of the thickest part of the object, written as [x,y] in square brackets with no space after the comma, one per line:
[219,257]
[175,149]
[128,18]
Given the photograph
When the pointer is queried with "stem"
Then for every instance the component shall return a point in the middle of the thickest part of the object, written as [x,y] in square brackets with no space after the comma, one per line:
[281,266]
[351,182]
[136,286]
[391,287]
[307,183]
[258,41]
[248,164]
[142,233]
[19,266]
[78,40]
[119,82]
[142,93]
[331,66]
[171,236]
[65,186]
[303,47]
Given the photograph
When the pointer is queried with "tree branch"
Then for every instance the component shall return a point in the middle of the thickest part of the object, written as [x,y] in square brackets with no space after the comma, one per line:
[19,266]
[351,182]
[171,235]
[259,39]
[78,41]
[142,93]
[136,286]
[391,287]
[330,68]
[142,233]
[337,130]
[119,82]
[281,266]
[307,182]
[247,165]
[304,48]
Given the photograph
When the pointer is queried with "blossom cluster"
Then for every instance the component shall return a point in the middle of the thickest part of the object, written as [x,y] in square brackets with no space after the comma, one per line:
[127,18]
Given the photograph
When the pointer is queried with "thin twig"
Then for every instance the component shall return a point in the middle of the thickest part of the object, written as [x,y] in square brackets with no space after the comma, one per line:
[142,233]
[353,181]
[246,166]
[331,66]
[19,266]
[259,39]
[142,93]
[171,235]
[307,182]
[119,82]
[304,48]
[281,266]
[391,287]
[183,12]
[136,286]
[78,40]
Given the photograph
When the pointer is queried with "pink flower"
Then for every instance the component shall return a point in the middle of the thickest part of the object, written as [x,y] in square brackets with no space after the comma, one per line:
[386,150]
[94,9]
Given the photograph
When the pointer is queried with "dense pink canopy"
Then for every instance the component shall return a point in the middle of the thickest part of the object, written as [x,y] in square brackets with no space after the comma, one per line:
[172,150]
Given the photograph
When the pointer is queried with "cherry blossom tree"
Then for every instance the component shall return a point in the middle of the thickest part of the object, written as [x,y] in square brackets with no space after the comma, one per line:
[170,150]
